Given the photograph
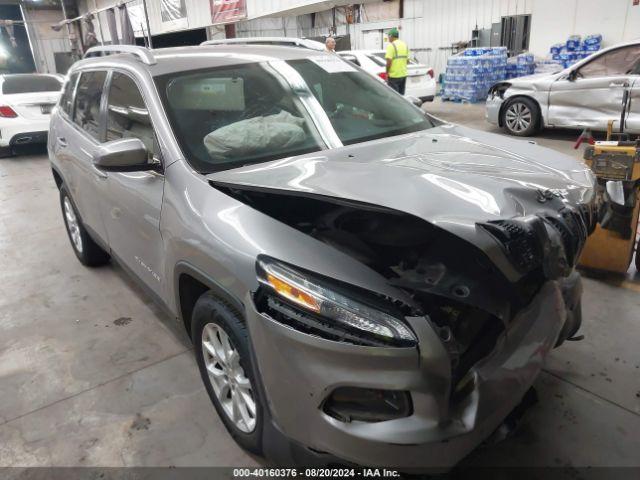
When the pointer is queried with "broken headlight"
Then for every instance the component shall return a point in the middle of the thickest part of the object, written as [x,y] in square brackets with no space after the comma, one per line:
[498,90]
[315,299]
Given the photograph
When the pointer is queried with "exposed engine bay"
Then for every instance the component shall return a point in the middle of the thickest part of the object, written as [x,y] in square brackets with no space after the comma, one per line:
[466,298]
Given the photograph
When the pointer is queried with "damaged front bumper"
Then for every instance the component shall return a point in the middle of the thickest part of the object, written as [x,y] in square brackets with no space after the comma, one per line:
[492,109]
[300,371]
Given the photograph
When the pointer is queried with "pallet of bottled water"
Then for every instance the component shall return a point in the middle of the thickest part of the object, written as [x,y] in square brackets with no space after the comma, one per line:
[575,49]
[471,73]
[521,65]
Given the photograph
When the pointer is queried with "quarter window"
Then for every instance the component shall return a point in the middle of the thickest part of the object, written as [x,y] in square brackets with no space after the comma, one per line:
[127,115]
[87,106]
[622,61]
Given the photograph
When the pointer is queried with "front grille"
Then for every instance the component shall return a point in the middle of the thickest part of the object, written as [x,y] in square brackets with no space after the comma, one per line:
[589,214]
[574,226]
[520,240]
[526,239]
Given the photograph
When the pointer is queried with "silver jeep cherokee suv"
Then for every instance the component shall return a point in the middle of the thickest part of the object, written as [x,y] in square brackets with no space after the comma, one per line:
[362,282]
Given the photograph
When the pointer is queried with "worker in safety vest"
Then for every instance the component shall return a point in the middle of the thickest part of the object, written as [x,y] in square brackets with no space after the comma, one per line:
[397,59]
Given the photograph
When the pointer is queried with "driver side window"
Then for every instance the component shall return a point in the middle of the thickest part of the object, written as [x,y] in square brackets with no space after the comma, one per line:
[623,61]
[127,114]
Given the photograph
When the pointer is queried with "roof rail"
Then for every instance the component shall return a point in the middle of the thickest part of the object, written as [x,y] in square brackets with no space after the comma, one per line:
[281,41]
[144,54]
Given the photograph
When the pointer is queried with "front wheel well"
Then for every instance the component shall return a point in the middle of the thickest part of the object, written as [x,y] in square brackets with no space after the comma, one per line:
[190,290]
[191,285]
[510,100]
[57,178]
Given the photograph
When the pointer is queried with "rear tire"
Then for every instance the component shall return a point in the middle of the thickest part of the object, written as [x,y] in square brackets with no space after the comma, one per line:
[521,117]
[88,252]
[6,152]
[221,346]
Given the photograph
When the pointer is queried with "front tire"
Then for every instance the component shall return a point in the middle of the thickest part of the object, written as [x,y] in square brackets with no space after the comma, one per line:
[221,346]
[521,117]
[88,252]
[6,152]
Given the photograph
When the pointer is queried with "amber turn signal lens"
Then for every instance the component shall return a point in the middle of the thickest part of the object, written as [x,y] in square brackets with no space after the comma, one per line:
[293,293]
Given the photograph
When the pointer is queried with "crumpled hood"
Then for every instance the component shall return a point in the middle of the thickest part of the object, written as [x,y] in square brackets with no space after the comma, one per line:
[535,77]
[445,175]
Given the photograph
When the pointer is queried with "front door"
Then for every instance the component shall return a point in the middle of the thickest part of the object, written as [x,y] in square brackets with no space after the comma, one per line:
[134,199]
[76,143]
[594,94]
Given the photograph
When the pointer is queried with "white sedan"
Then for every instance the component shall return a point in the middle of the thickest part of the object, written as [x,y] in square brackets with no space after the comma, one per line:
[588,94]
[26,101]
[420,81]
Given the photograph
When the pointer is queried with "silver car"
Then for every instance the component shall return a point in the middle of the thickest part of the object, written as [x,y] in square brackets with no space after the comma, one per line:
[362,283]
[588,94]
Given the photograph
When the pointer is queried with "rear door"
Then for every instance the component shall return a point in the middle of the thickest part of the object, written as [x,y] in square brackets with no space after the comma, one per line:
[76,143]
[134,199]
[633,116]
[595,95]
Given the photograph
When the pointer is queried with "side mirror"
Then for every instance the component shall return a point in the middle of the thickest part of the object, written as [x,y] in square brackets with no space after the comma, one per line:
[415,100]
[615,192]
[124,154]
[573,74]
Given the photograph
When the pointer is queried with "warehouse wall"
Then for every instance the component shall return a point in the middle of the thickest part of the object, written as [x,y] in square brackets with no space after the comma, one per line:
[198,12]
[429,26]
[618,22]
[45,41]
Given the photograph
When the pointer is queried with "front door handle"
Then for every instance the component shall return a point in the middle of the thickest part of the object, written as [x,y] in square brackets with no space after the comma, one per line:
[99,173]
[619,84]
[62,141]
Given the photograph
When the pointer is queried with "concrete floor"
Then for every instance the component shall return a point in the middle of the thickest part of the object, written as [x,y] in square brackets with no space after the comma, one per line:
[91,373]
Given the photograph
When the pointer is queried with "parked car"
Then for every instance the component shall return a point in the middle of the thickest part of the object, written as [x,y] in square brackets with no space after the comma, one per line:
[26,101]
[587,94]
[362,282]
[420,81]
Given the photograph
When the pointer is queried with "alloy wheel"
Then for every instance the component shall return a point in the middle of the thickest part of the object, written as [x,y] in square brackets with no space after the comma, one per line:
[72,224]
[518,117]
[230,384]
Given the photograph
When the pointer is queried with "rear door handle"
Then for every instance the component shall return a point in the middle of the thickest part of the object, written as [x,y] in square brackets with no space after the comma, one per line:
[62,141]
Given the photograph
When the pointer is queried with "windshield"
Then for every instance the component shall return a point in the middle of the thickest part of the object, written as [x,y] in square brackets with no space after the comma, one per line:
[231,116]
[30,83]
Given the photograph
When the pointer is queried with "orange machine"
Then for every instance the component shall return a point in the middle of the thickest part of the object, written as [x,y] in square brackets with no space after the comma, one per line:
[616,164]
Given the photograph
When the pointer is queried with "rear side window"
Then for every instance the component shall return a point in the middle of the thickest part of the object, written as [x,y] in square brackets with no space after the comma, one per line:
[351,58]
[379,60]
[25,83]
[623,61]
[86,113]
[66,100]
[127,115]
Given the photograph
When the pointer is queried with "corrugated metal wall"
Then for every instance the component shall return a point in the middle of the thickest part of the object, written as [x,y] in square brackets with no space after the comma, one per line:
[45,41]
[429,26]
